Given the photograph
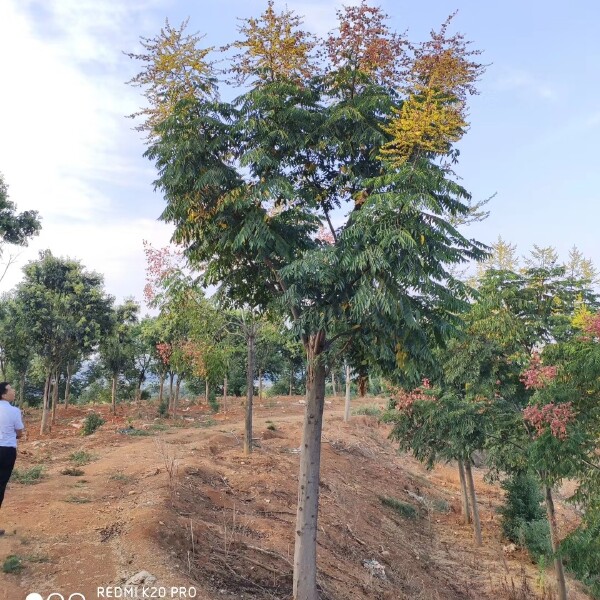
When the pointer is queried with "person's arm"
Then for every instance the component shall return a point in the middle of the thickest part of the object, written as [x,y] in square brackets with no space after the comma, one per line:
[19,427]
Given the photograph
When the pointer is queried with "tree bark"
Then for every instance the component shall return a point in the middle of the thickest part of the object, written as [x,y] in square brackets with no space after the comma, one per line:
[55,395]
[474,508]
[305,551]
[176,397]
[22,389]
[558,563]
[171,377]
[114,393]
[260,385]
[161,388]
[249,394]
[68,385]
[333,390]
[291,379]
[206,390]
[347,403]
[464,495]
[225,393]
[45,404]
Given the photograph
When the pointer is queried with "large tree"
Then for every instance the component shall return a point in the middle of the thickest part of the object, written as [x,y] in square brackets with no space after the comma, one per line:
[312,192]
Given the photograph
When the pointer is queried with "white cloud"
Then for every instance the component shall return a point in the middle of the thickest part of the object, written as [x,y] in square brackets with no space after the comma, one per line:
[66,149]
[524,82]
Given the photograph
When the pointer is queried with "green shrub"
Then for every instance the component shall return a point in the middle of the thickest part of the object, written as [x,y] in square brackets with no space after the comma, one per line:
[81,457]
[392,403]
[535,536]
[28,476]
[213,402]
[91,423]
[581,551]
[12,564]
[163,408]
[522,504]
[371,410]
[402,508]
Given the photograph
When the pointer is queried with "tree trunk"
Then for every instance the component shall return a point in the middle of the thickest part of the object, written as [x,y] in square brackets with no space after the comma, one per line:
[347,403]
[473,499]
[558,563]
[206,391]
[22,389]
[225,393]
[333,390]
[249,395]
[55,395]
[260,385]
[305,551]
[68,386]
[464,495]
[176,398]
[161,388]
[114,393]
[291,379]
[45,404]
[171,377]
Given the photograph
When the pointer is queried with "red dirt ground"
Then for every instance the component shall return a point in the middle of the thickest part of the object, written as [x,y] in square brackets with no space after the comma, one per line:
[186,505]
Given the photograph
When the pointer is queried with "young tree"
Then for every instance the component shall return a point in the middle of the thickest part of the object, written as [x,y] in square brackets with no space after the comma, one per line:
[249,187]
[65,309]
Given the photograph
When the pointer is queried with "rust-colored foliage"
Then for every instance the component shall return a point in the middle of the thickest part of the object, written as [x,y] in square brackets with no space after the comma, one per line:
[274,47]
[364,45]
[434,114]
[175,69]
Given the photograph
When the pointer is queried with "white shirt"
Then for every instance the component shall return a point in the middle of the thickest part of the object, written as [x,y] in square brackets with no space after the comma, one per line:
[10,423]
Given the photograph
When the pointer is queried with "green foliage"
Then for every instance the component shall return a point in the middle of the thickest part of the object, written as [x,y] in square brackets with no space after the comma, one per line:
[15,228]
[92,422]
[163,408]
[405,510]
[81,457]
[535,536]
[522,504]
[581,551]
[12,564]
[28,476]
[213,402]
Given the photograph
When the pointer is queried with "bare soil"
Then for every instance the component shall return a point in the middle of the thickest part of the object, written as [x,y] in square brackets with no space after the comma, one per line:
[185,504]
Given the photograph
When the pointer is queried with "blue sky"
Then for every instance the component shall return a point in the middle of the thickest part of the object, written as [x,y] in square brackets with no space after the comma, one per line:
[67,150]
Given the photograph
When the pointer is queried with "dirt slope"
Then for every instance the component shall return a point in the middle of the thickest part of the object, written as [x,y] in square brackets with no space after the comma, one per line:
[187,506]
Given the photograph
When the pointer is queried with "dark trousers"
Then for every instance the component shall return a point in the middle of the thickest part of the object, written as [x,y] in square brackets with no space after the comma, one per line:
[8,456]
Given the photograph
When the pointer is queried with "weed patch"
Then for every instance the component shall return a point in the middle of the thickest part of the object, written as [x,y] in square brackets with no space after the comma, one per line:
[408,511]
[91,423]
[72,471]
[12,564]
[370,410]
[81,457]
[28,476]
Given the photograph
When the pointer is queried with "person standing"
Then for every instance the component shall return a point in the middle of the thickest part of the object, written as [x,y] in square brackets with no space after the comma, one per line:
[11,428]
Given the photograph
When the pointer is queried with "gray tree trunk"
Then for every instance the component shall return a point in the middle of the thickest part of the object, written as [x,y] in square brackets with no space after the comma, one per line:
[464,494]
[305,551]
[45,403]
[347,403]
[206,391]
[114,393]
[22,389]
[333,390]
[176,397]
[260,385]
[161,388]
[55,395]
[68,385]
[474,508]
[291,380]
[558,563]
[225,393]
[171,377]
[249,394]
